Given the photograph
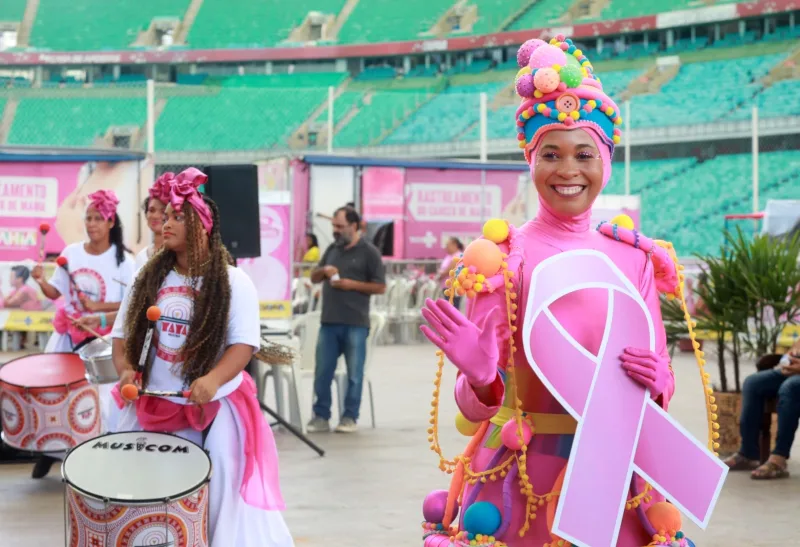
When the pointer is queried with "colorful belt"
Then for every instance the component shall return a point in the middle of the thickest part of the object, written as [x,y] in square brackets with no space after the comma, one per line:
[541,424]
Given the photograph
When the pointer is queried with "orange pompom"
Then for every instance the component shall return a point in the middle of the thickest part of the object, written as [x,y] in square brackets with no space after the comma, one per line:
[153,313]
[484,256]
[664,516]
[129,392]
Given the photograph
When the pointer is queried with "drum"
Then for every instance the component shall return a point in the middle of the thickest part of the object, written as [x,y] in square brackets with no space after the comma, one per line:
[47,404]
[100,368]
[137,488]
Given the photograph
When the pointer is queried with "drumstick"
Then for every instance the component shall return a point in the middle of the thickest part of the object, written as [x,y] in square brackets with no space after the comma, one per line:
[131,393]
[153,315]
[90,331]
[120,282]
[64,264]
[43,229]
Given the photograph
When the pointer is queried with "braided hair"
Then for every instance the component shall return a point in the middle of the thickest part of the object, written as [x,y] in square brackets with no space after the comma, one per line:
[116,239]
[210,306]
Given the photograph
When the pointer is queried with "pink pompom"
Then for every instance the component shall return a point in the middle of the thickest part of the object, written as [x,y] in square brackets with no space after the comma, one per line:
[562,86]
[434,506]
[564,46]
[526,49]
[546,56]
[508,434]
[568,122]
[546,80]
[547,111]
[525,86]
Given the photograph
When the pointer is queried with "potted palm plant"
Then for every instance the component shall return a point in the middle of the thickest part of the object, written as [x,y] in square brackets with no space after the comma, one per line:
[749,294]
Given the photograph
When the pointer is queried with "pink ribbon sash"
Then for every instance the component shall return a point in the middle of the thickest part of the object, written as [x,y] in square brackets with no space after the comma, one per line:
[620,428]
[260,482]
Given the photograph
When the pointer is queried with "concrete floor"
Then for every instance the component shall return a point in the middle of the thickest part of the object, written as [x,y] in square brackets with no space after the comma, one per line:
[369,487]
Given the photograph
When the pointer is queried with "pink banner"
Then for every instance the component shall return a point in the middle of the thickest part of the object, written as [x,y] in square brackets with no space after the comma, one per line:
[441,203]
[56,193]
[620,428]
[382,200]
[300,176]
[271,272]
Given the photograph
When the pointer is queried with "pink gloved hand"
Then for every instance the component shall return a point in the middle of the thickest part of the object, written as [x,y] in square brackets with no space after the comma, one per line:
[648,368]
[471,348]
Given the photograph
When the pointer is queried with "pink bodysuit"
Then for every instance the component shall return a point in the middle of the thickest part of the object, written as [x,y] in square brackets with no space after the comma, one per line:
[583,314]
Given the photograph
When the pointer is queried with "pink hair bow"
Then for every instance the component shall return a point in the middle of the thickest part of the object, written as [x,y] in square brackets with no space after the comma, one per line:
[105,201]
[184,188]
[160,189]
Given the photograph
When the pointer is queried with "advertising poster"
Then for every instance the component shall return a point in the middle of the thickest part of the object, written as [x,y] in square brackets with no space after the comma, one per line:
[56,193]
[444,203]
[23,307]
[382,200]
[272,271]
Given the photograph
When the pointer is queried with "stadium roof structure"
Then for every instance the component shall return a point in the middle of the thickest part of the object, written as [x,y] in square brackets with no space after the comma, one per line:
[48,154]
[466,165]
[182,54]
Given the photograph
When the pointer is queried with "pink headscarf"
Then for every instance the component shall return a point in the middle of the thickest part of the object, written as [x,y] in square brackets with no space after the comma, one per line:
[160,188]
[183,188]
[105,201]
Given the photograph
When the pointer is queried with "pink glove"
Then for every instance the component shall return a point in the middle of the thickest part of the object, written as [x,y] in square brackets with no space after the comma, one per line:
[471,348]
[648,368]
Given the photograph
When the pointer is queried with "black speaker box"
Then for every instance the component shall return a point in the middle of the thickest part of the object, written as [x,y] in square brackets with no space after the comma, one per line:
[234,188]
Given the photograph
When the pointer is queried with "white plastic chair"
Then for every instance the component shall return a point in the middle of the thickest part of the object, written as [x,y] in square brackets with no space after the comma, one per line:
[291,376]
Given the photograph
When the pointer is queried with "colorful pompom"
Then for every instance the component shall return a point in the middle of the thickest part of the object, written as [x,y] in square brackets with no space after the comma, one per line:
[571,75]
[546,80]
[509,434]
[482,517]
[524,86]
[526,50]
[484,256]
[496,231]
[434,505]
[547,56]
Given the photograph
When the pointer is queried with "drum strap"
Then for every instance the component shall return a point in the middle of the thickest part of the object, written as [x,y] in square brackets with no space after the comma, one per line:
[86,341]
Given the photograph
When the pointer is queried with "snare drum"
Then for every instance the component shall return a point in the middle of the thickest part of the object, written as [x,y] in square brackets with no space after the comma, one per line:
[137,488]
[100,368]
[47,403]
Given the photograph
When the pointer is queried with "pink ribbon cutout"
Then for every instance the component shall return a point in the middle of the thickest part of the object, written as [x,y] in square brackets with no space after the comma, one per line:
[184,187]
[105,201]
[620,428]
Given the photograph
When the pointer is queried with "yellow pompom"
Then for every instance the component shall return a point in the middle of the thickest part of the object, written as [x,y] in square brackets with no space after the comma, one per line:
[526,114]
[623,221]
[522,144]
[538,94]
[575,115]
[609,111]
[557,68]
[478,287]
[617,139]
[480,278]
[618,121]
[495,230]
[465,427]
[593,103]
[562,116]
[577,53]
[540,107]
[523,71]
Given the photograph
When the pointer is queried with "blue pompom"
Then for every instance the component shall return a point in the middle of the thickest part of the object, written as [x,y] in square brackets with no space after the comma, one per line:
[482,518]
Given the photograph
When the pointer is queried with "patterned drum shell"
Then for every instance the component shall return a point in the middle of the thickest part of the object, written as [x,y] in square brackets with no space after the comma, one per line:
[47,404]
[137,488]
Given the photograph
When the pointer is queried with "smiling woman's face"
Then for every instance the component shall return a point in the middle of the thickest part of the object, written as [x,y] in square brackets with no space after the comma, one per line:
[568,171]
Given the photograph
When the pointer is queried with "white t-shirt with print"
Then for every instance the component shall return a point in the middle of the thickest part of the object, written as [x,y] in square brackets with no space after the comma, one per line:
[143,256]
[175,301]
[97,276]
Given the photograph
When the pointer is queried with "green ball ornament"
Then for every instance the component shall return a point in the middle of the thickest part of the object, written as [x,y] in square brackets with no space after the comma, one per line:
[571,75]
[572,61]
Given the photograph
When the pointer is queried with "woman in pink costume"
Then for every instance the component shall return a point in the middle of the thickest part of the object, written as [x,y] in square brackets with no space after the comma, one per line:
[567,127]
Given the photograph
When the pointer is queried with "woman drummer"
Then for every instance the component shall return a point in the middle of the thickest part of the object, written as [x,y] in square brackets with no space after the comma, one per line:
[93,279]
[154,205]
[206,335]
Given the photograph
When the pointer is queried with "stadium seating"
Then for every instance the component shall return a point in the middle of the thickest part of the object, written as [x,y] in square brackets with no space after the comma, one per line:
[391,20]
[12,10]
[541,14]
[87,25]
[252,23]
[379,113]
[73,121]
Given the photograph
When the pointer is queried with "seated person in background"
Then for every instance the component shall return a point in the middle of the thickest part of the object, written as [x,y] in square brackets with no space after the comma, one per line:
[22,296]
[782,382]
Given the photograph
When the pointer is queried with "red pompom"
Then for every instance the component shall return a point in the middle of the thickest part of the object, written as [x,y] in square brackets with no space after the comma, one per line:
[61,261]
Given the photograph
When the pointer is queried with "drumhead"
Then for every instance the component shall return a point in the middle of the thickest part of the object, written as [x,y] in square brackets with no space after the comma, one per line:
[137,467]
[96,349]
[44,370]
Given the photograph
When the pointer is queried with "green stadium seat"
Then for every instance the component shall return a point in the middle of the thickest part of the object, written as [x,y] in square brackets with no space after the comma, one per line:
[12,10]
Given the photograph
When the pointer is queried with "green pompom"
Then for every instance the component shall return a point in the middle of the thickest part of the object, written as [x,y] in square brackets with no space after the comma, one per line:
[572,61]
[571,75]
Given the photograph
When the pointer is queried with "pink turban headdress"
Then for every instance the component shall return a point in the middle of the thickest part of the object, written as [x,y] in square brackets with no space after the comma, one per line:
[184,188]
[105,201]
